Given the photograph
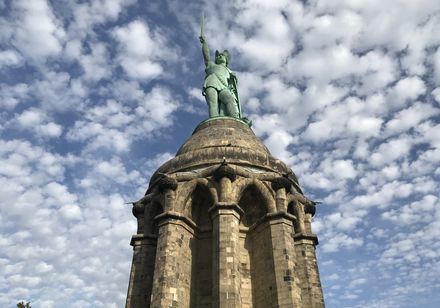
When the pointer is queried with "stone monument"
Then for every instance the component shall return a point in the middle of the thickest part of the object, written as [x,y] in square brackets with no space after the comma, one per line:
[224,223]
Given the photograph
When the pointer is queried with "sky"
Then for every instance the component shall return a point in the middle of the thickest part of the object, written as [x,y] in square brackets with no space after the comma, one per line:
[96,95]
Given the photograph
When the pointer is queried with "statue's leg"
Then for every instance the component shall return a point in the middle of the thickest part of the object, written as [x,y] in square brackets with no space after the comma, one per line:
[230,105]
[222,109]
[211,96]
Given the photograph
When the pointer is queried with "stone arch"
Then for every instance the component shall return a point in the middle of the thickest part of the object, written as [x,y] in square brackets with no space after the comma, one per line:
[194,195]
[266,197]
[198,203]
[251,203]
[185,191]
[256,259]
[196,207]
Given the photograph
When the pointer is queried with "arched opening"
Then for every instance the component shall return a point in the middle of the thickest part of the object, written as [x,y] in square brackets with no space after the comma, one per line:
[198,205]
[253,204]
[200,202]
[256,261]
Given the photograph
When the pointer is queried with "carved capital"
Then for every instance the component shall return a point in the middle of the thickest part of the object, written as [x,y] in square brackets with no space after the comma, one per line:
[143,239]
[166,182]
[139,206]
[281,182]
[310,208]
[225,171]
[220,207]
[138,209]
[308,237]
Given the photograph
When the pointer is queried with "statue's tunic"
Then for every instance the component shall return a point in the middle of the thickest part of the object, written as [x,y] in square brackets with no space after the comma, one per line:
[216,77]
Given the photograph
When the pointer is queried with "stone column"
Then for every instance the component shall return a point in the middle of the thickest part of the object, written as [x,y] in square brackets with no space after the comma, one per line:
[307,271]
[172,273]
[226,255]
[300,217]
[305,245]
[142,268]
[284,258]
[281,185]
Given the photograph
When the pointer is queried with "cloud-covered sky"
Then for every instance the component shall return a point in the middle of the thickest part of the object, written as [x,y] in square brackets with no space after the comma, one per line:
[95,95]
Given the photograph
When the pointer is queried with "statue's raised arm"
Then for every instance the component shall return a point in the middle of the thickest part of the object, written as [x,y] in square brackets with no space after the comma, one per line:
[220,86]
[205,48]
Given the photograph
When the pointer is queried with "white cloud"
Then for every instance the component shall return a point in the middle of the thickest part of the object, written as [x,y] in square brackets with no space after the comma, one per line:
[339,63]
[140,50]
[342,222]
[332,63]
[347,118]
[364,126]
[278,141]
[89,14]
[51,250]
[416,212]
[57,91]
[71,212]
[43,267]
[269,47]
[115,126]
[357,282]
[158,106]
[339,168]
[112,170]
[340,241]
[436,94]
[409,88]
[38,33]
[30,118]
[379,196]
[436,59]
[322,32]
[197,94]
[9,57]
[96,64]
[410,117]
[36,121]
[391,150]
[11,96]
[317,131]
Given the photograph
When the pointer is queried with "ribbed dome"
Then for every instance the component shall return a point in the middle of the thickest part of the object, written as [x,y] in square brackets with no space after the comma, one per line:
[223,132]
[219,139]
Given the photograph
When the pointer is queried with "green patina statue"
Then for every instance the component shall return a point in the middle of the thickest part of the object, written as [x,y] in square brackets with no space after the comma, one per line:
[220,86]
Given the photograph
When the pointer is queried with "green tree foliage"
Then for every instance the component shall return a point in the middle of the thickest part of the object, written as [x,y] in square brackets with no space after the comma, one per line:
[23,305]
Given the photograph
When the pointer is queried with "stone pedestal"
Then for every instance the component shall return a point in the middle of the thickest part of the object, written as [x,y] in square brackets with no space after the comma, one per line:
[225,211]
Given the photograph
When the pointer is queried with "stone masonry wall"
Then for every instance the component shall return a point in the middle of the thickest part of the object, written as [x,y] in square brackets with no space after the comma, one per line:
[201,281]
[142,269]
[262,268]
[172,273]
[308,274]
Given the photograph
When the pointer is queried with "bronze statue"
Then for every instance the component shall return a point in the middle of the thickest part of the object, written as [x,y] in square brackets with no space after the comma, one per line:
[220,86]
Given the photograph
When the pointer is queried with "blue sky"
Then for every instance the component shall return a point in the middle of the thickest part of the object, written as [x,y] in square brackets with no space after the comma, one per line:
[95,95]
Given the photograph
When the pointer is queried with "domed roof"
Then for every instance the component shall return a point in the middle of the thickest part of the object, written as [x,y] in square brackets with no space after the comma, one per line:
[223,138]
[223,132]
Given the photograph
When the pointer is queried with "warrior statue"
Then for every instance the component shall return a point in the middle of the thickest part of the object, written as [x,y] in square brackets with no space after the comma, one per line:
[220,86]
